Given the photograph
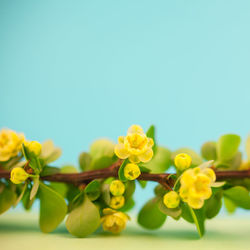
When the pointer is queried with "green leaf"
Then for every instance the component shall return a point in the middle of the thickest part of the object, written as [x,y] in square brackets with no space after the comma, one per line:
[93,190]
[76,201]
[84,219]
[213,205]
[129,189]
[186,215]
[150,216]
[60,188]
[229,205]
[161,160]
[27,203]
[121,171]
[53,208]
[151,134]
[196,159]
[208,151]
[34,162]
[239,196]
[159,190]
[21,194]
[235,162]
[7,198]
[199,219]
[129,204]
[109,180]
[49,152]
[227,146]
[34,187]
[173,212]
[102,147]
[68,169]
[48,170]
[144,169]
[102,162]
[85,161]
[143,184]
[105,195]
[102,154]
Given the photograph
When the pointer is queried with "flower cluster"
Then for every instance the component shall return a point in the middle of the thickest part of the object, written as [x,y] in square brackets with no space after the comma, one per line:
[114,221]
[196,186]
[135,145]
[10,144]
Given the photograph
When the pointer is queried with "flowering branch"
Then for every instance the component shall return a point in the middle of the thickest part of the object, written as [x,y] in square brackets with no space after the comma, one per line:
[96,198]
[112,171]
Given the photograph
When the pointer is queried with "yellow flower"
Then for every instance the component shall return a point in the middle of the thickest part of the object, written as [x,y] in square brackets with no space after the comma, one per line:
[171,199]
[117,202]
[18,175]
[136,146]
[117,188]
[196,186]
[10,144]
[34,147]
[182,161]
[113,221]
[131,171]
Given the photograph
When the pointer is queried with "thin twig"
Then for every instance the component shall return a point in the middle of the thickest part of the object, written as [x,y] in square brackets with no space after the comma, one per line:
[112,171]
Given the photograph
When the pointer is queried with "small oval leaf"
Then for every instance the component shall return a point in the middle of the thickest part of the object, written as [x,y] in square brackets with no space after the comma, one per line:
[150,215]
[84,219]
[53,208]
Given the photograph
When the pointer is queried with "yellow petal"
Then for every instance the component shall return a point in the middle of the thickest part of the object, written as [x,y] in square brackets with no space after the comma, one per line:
[135,129]
[121,139]
[207,193]
[184,193]
[150,142]
[121,151]
[210,174]
[108,211]
[204,193]
[188,178]
[146,156]
[195,203]
[122,215]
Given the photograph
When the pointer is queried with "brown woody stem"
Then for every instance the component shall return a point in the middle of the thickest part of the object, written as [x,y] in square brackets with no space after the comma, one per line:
[112,171]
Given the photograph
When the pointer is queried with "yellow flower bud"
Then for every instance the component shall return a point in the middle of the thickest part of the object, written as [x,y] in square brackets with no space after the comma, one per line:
[171,199]
[18,175]
[117,202]
[132,171]
[34,147]
[113,221]
[117,188]
[182,161]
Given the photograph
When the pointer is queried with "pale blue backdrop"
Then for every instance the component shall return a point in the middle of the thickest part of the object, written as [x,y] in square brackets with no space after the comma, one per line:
[77,70]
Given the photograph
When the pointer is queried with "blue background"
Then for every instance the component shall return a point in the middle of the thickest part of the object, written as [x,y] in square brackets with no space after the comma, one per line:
[74,71]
